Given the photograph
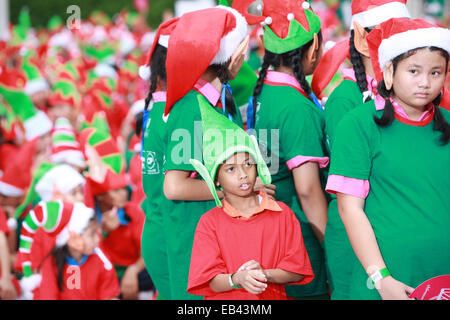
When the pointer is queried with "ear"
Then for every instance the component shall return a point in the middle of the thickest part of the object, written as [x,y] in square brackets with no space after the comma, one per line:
[75,241]
[237,58]
[360,39]
[388,75]
[312,54]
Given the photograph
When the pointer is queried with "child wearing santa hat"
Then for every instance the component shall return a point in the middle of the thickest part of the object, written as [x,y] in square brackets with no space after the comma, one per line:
[154,138]
[389,163]
[77,269]
[284,109]
[359,85]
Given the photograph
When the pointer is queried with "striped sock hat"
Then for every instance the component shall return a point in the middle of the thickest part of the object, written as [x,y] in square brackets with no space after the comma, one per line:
[56,219]
[65,147]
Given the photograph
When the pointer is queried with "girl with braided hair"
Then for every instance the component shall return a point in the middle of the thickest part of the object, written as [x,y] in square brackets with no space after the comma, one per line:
[288,121]
[154,137]
[359,85]
[389,165]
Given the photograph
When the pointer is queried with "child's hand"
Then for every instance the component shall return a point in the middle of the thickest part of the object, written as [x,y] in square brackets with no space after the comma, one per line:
[129,286]
[110,220]
[251,265]
[391,289]
[254,281]
[7,290]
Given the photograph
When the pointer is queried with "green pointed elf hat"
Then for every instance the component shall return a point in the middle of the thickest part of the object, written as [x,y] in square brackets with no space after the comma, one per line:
[222,139]
[286,27]
[35,81]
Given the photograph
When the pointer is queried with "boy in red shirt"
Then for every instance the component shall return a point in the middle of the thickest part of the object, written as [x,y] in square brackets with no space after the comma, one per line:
[248,242]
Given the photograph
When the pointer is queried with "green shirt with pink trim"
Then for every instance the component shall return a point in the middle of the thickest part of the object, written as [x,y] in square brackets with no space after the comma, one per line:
[406,196]
[290,131]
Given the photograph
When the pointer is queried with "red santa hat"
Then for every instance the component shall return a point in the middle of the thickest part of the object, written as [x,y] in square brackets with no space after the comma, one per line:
[394,37]
[367,13]
[17,175]
[200,39]
[162,38]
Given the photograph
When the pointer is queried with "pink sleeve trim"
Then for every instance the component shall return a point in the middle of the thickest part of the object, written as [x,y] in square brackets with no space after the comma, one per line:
[351,186]
[299,160]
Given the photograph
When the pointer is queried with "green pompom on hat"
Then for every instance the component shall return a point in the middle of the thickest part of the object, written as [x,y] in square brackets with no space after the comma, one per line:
[222,139]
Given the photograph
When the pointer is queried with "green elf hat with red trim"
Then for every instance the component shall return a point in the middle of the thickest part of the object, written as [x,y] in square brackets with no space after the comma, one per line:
[368,14]
[57,219]
[65,147]
[222,139]
[106,165]
[35,80]
[65,92]
[36,123]
[287,26]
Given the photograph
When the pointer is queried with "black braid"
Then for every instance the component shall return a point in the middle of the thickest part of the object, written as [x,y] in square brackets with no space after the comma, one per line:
[59,255]
[222,73]
[358,66]
[440,124]
[158,73]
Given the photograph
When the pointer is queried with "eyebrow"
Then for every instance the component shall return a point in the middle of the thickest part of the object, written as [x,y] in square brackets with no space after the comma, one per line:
[230,164]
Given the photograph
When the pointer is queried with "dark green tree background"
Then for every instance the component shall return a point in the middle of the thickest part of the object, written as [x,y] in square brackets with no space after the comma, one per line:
[42,10]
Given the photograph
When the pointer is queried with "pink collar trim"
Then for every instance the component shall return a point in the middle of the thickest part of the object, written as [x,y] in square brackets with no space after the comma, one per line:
[398,109]
[159,96]
[208,91]
[283,78]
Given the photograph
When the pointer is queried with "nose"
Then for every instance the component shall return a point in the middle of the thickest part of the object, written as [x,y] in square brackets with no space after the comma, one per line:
[242,172]
[424,81]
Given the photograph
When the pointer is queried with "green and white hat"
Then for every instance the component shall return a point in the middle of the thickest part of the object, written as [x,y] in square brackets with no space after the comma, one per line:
[35,81]
[222,139]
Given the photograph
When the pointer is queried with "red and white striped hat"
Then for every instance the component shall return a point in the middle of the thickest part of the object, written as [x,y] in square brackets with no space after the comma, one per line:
[394,37]
[369,13]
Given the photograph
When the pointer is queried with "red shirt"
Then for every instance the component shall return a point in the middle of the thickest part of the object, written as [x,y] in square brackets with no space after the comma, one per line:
[224,241]
[123,245]
[95,279]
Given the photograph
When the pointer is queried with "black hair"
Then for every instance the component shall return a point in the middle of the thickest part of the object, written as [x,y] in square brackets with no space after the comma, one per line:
[358,66]
[59,259]
[292,59]
[158,73]
[222,73]
[386,119]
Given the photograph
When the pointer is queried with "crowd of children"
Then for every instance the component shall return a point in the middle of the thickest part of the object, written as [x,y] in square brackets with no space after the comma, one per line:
[218,158]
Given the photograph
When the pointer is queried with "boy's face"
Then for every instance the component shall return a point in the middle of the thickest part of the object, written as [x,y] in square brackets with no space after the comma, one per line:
[113,198]
[75,195]
[90,237]
[237,175]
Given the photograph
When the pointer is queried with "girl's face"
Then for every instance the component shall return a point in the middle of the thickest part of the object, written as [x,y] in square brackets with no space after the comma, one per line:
[75,195]
[90,237]
[237,175]
[418,79]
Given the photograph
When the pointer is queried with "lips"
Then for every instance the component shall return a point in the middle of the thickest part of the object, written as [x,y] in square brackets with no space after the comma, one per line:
[245,186]
[422,94]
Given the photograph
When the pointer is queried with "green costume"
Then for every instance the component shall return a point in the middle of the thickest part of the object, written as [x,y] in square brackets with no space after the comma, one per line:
[407,206]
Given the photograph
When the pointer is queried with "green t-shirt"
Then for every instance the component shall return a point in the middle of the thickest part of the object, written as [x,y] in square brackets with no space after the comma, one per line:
[408,204]
[290,125]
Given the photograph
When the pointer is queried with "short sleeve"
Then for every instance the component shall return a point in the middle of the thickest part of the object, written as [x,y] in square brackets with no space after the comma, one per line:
[301,134]
[185,136]
[296,258]
[206,259]
[351,154]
